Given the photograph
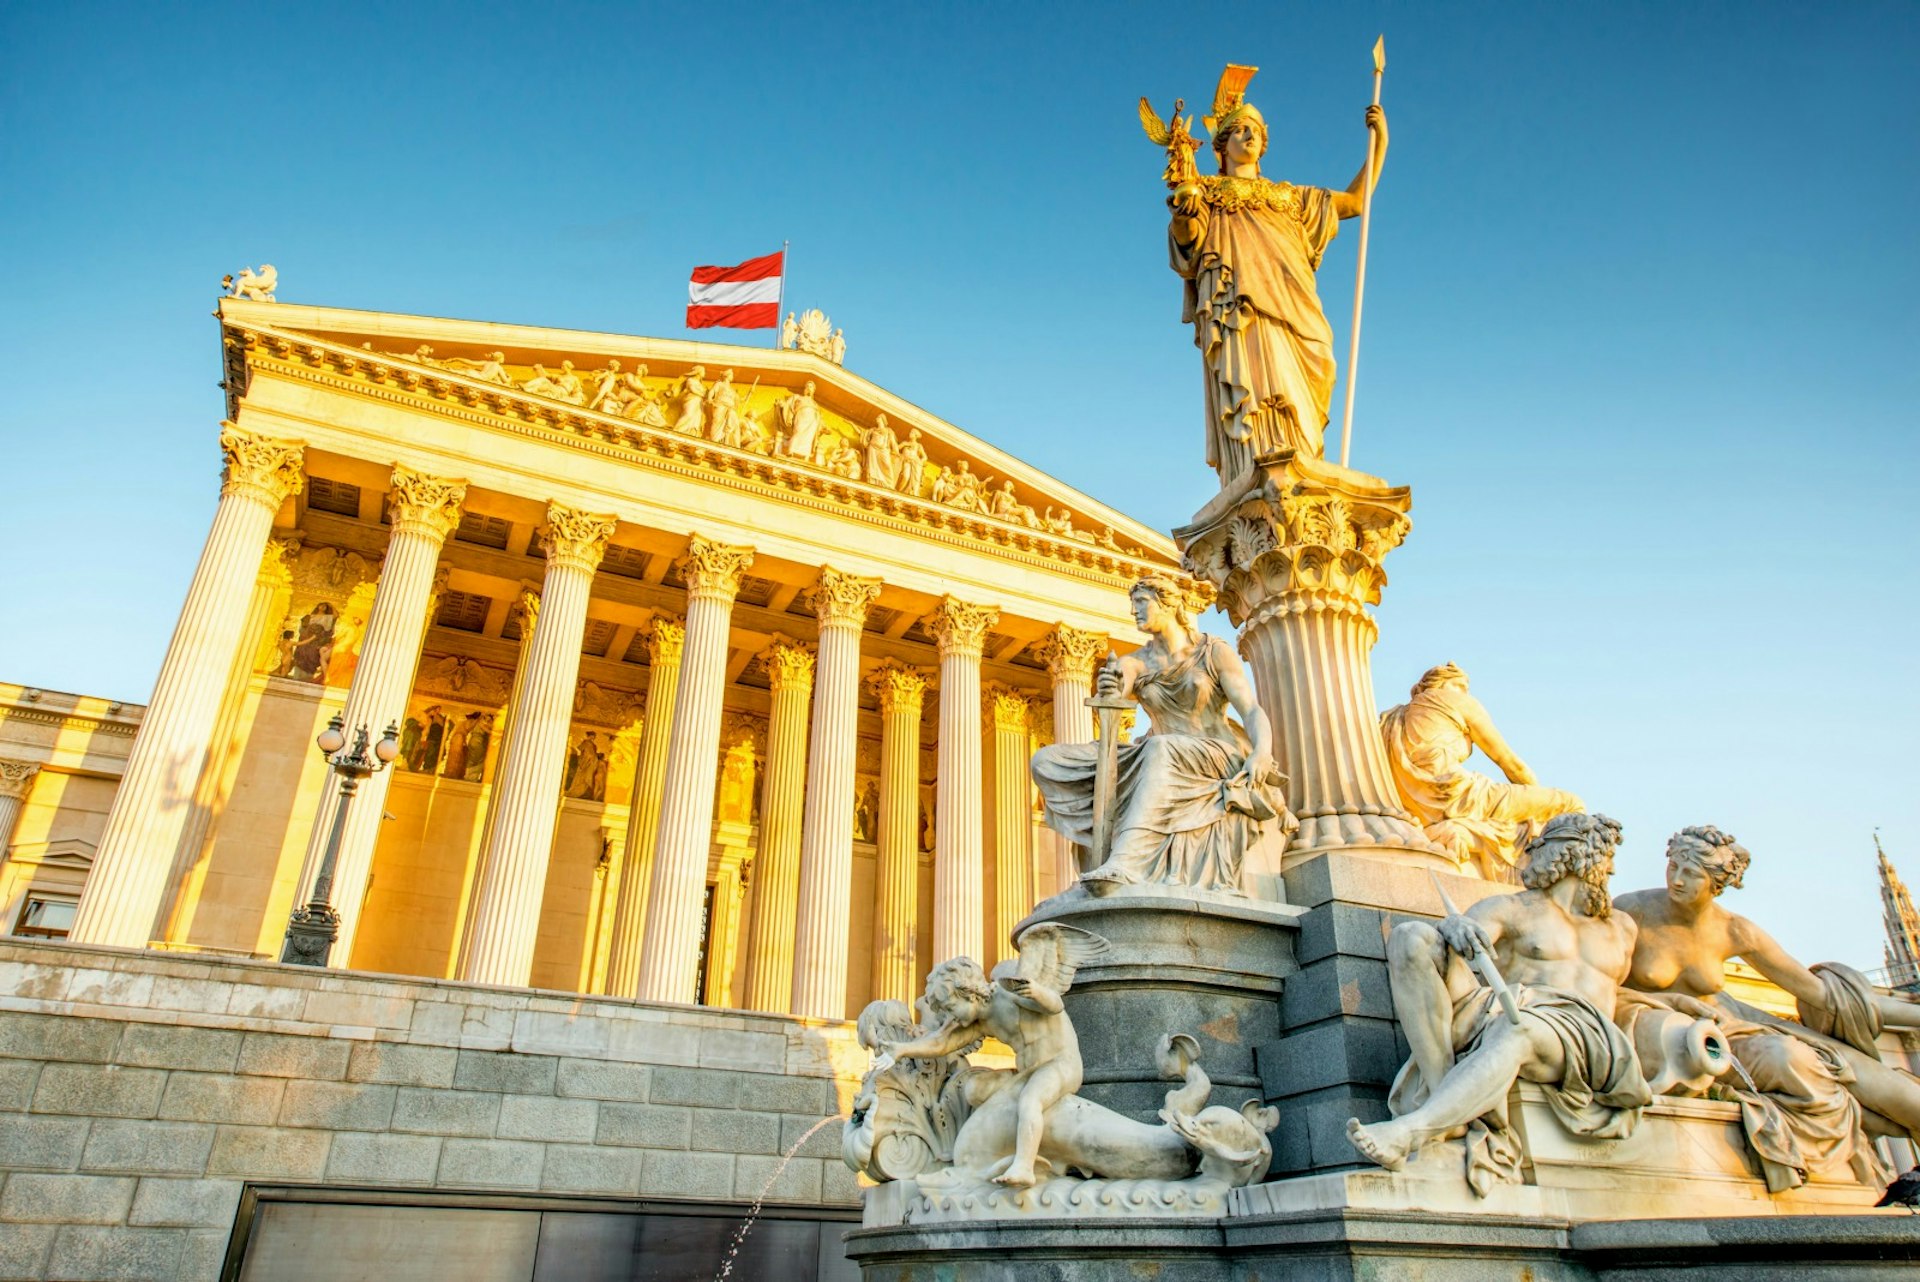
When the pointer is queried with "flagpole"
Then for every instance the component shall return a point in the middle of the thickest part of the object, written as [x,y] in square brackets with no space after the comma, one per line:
[1360,278]
[779,308]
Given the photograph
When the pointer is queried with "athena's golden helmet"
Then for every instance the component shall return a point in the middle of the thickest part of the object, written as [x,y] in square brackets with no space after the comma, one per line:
[1231,108]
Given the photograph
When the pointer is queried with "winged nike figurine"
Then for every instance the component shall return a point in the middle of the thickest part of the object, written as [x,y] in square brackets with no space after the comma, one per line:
[1177,138]
[1022,1008]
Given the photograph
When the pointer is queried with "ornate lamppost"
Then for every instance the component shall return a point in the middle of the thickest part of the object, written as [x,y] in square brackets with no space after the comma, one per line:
[311,930]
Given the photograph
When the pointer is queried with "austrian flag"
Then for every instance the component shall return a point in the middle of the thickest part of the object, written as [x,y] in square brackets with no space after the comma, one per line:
[743,297]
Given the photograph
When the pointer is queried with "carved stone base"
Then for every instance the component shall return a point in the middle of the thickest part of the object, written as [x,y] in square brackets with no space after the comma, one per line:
[907,1202]
[1209,965]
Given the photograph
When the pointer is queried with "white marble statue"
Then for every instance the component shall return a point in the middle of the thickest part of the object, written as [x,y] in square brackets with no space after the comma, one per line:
[723,411]
[837,347]
[924,1113]
[789,333]
[913,464]
[567,386]
[1191,797]
[255,286]
[493,369]
[1561,953]
[1479,821]
[691,408]
[883,454]
[800,417]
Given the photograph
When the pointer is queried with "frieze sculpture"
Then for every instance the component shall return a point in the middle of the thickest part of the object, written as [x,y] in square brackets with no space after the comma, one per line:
[254,286]
[800,417]
[1479,821]
[1248,250]
[1563,954]
[1812,1093]
[994,1141]
[1191,797]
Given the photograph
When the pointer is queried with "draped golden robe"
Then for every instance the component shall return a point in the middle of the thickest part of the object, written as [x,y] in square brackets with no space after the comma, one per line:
[1264,341]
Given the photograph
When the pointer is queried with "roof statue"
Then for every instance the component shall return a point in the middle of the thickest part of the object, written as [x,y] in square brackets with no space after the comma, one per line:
[249,284]
[814,333]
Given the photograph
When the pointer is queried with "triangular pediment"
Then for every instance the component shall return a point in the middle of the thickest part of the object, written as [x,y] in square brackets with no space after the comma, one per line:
[637,391]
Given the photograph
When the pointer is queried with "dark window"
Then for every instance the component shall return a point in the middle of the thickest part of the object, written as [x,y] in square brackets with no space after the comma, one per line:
[463,610]
[336,497]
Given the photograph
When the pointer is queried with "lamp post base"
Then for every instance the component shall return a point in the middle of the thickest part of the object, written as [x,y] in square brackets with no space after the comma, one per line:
[310,935]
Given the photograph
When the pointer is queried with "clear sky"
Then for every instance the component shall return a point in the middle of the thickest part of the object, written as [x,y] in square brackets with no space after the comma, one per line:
[1640,326]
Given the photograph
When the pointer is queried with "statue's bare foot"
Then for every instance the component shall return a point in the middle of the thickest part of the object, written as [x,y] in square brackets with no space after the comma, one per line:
[1382,1143]
[1018,1176]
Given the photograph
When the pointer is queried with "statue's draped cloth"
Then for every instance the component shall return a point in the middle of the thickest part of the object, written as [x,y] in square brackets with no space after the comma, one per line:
[1476,818]
[1181,817]
[1600,1092]
[1263,338]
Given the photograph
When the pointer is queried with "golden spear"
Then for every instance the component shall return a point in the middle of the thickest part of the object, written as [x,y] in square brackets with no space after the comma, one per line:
[1360,281]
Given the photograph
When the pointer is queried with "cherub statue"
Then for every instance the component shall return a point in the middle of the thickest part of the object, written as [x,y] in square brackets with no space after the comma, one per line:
[1023,1009]
[254,286]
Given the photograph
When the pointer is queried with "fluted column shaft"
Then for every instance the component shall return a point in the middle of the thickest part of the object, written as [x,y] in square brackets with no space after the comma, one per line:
[776,871]
[425,511]
[665,642]
[513,873]
[1071,655]
[16,780]
[959,922]
[670,949]
[155,800]
[826,835]
[896,917]
[1013,871]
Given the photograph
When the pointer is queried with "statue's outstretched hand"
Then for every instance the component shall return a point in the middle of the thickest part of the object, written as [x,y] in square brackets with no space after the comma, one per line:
[1185,201]
[1464,935]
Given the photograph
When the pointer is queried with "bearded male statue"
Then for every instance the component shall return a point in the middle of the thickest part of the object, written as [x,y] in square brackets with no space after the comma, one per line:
[1564,953]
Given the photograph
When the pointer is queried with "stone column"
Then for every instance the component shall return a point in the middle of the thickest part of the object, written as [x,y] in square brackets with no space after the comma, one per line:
[958,912]
[16,780]
[723,935]
[1071,655]
[425,511]
[670,947]
[513,868]
[1009,715]
[666,637]
[154,803]
[896,919]
[826,835]
[776,869]
[1296,551]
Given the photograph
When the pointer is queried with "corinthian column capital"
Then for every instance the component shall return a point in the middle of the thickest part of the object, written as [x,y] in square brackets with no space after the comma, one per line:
[259,467]
[276,567]
[898,686]
[843,599]
[524,613]
[1070,653]
[960,627]
[788,664]
[713,569]
[576,539]
[1010,709]
[423,504]
[16,777]
[665,640]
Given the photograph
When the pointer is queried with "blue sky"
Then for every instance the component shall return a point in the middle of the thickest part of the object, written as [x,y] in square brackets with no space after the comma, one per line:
[1640,326]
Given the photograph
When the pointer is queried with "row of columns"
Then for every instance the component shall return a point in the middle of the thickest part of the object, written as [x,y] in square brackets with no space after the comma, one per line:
[798,933]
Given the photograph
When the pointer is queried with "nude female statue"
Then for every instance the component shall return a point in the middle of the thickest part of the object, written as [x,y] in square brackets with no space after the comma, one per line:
[1193,795]
[1819,1089]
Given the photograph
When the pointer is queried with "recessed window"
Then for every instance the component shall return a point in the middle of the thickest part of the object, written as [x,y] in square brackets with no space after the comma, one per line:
[47,916]
[463,610]
[336,497]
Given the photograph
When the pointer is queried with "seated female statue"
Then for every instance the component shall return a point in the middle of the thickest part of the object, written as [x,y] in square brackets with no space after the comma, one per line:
[1812,1093]
[1193,794]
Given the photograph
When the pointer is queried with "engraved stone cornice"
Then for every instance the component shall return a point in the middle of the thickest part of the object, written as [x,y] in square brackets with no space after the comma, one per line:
[16,777]
[260,467]
[841,599]
[425,504]
[576,539]
[898,686]
[713,569]
[1009,709]
[961,627]
[1298,536]
[666,638]
[1070,653]
[787,663]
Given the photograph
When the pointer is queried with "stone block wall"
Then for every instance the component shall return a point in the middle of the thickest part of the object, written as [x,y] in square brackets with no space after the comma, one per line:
[139,1091]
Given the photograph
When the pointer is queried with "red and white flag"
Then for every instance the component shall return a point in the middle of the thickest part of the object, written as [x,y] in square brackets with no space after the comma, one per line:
[743,297]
